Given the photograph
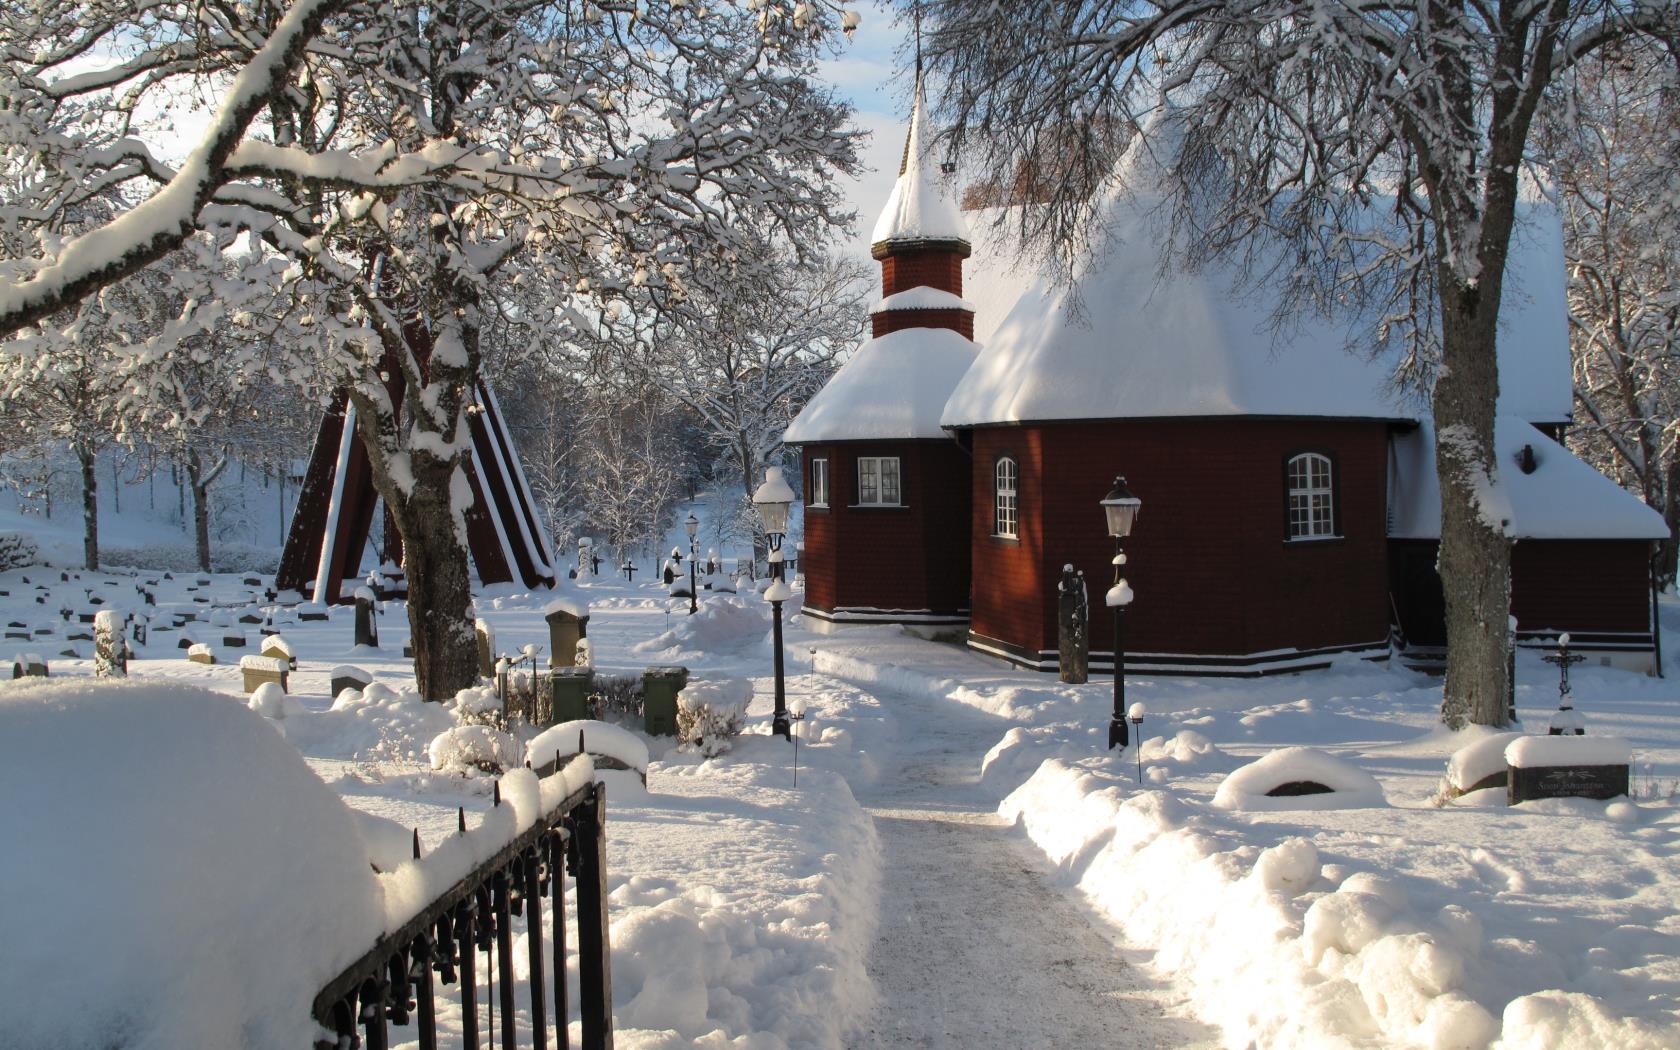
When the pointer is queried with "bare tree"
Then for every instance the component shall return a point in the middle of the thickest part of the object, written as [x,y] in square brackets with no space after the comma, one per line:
[1361,157]
[1616,164]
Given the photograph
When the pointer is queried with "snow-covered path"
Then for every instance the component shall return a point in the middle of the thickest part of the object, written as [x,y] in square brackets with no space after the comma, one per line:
[977,945]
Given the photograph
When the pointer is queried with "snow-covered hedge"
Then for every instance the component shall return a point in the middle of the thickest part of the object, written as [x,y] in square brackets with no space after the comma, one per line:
[18,550]
[710,714]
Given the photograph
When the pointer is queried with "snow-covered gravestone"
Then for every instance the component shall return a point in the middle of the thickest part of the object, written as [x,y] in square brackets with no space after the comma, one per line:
[258,670]
[110,647]
[568,624]
[367,628]
[1593,767]
[345,676]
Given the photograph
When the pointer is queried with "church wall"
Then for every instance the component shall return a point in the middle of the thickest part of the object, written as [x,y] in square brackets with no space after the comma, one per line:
[1208,559]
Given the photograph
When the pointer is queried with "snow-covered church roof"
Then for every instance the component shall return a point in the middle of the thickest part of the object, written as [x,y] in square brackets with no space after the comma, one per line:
[1142,343]
[894,387]
[1564,498]
[919,209]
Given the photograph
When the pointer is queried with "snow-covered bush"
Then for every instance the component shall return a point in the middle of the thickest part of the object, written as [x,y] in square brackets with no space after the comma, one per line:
[710,714]
[614,746]
[464,749]
[18,550]
[478,705]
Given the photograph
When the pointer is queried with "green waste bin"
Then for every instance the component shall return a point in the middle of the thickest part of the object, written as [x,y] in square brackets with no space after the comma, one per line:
[660,686]
[568,693]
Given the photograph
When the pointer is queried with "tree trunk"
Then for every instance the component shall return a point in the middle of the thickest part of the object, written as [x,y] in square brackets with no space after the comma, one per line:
[1475,557]
[744,455]
[90,506]
[1668,550]
[201,509]
[435,564]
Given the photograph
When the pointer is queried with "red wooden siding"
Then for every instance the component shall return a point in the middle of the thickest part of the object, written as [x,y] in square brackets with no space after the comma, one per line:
[1208,557]
[913,557]
[904,270]
[960,321]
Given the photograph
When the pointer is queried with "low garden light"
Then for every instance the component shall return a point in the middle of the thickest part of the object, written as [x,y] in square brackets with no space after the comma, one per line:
[772,500]
[1135,713]
[1120,509]
[692,527]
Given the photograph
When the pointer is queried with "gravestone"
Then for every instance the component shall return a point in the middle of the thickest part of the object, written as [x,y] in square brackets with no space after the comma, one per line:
[1073,620]
[201,654]
[29,665]
[278,648]
[344,676]
[568,623]
[257,670]
[1593,767]
[367,626]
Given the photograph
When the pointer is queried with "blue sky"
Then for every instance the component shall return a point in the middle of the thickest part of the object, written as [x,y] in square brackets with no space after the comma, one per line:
[864,74]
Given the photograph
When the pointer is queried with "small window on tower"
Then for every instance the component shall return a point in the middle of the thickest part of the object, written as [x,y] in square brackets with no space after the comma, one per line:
[819,483]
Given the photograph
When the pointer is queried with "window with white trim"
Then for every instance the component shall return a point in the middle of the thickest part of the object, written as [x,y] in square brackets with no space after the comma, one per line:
[819,482]
[1005,505]
[1312,497]
[878,481]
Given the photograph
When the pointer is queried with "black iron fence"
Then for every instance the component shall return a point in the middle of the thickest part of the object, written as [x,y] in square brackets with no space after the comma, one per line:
[393,984]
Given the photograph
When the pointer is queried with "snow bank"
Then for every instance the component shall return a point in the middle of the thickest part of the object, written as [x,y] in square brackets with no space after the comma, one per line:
[1350,787]
[602,738]
[1530,751]
[397,722]
[189,881]
[721,621]
[1266,952]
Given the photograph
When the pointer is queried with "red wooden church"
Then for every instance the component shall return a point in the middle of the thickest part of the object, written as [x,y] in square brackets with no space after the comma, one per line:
[1290,508]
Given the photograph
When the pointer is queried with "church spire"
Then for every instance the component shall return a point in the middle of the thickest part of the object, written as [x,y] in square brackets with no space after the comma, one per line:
[919,214]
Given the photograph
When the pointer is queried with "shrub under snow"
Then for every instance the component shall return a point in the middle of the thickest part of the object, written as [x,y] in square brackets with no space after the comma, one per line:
[467,748]
[18,551]
[710,714]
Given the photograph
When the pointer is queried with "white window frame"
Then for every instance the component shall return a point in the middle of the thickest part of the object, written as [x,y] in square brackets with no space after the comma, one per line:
[819,481]
[877,470]
[1310,497]
[1006,498]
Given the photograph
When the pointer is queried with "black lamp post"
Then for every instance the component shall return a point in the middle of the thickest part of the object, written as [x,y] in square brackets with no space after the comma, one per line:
[772,500]
[692,527]
[1120,507]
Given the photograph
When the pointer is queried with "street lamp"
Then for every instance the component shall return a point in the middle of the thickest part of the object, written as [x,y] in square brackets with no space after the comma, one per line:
[1120,507]
[772,501]
[692,527]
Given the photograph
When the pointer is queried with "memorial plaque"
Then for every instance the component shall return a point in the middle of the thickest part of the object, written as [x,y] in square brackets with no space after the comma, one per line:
[1595,782]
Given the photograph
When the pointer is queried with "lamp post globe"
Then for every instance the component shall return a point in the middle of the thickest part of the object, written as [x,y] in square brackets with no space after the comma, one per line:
[772,500]
[692,526]
[1120,511]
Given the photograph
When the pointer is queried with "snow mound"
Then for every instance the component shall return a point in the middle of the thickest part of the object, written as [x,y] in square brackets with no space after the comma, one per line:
[1477,761]
[721,621]
[1350,787]
[470,748]
[397,721]
[602,738]
[207,832]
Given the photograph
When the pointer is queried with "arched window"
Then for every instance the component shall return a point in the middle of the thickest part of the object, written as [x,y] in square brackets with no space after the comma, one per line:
[1005,505]
[1310,479]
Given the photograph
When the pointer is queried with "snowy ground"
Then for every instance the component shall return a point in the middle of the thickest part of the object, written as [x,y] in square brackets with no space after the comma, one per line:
[750,912]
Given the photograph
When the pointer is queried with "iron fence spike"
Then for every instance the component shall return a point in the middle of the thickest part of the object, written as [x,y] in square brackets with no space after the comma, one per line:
[416,843]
